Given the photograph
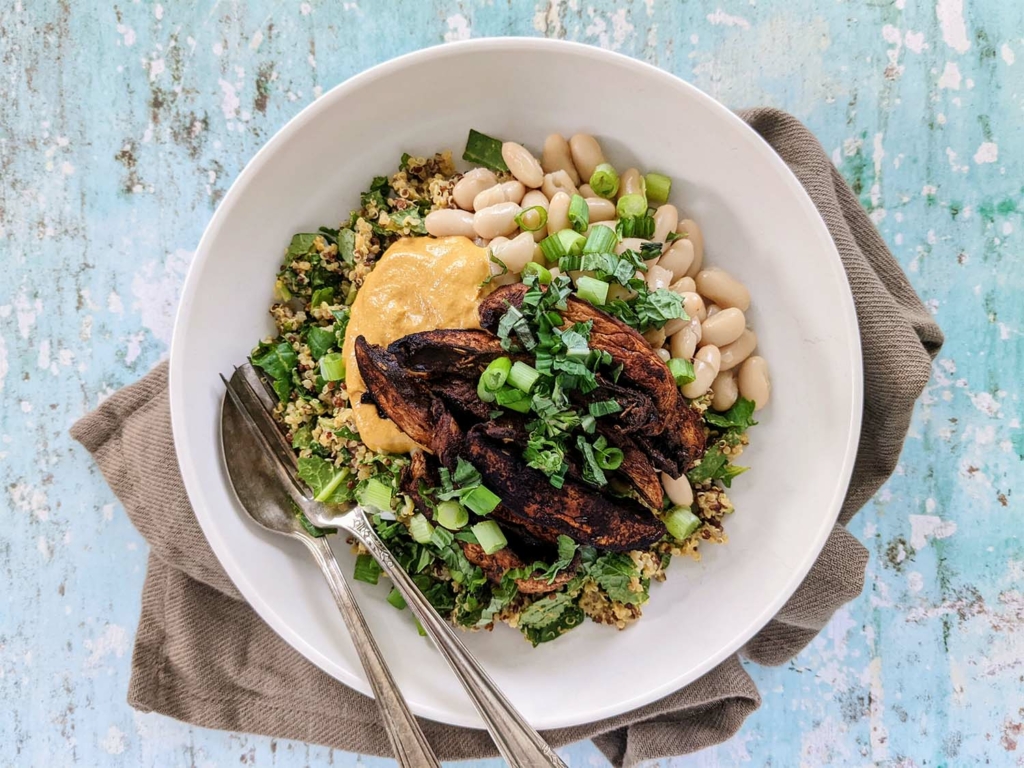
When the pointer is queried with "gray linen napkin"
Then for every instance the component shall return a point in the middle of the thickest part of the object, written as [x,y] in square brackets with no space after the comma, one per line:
[257,683]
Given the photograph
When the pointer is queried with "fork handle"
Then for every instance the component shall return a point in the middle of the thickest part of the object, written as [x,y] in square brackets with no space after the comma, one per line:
[516,740]
[408,742]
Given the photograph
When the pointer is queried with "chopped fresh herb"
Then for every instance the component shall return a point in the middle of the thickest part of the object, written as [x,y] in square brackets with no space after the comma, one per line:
[300,245]
[550,616]
[618,575]
[278,361]
[347,246]
[681,370]
[640,225]
[314,531]
[323,295]
[320,340]
[329,484]
[604,408]
[367,569]
[740,416]
[484,150]
[501,264]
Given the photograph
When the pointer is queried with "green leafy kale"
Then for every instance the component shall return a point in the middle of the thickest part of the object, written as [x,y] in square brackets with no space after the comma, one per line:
[550,617]
[715,466]
[278,361]
[739,417]
[329,484]
[300,246]
[614,572]
[320,341]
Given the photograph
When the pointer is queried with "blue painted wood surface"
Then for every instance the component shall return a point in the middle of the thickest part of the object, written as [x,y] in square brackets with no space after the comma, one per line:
[121,126]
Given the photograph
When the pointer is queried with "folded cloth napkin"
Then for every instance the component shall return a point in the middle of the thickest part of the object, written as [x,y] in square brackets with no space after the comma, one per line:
[182,667]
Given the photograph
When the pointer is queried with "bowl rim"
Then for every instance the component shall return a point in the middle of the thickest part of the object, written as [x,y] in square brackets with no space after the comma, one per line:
[190,473]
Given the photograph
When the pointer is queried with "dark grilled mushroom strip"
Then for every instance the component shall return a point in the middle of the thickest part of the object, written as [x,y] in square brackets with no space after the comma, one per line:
[447,352]
[460,395]
[636,469]
[576,511]
[397,395]
[501,562]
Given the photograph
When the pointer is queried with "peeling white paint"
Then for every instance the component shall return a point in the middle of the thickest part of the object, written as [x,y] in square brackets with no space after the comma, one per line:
[458,28]
[155,288]
[924,527]
[112,641]
[721,18]
[114,303]
[988,152]
[1007,53]
[114,743]
[4,365]
[914,41]
[985,403]
[951,78]
[951,20]
[230,102]
[28,498]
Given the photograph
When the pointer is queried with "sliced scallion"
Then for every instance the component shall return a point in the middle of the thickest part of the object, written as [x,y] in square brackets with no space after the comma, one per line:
[659,186]
[542,273]
[490,536]
[563,243]
[681,523]
[605,181]
[591,289]
[375,494]
[579,213]
[631,205]
[533,218]
[367,570]
[451,515]
[420,529]
[601,239]
[493,378]
[681,370]
[396,599]
[332,367]
[523,376]
[609,458]
[514,399]
[481,500]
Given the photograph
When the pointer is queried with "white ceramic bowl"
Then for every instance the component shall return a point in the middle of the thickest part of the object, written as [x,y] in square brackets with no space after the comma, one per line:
[758,223]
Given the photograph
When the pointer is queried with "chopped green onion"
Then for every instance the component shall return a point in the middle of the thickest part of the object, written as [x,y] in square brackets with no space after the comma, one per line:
[396,599]
[420,630]
[636,226]
[542,273]
[484,150]
[451,515]
[332,366]
[515,399]
[493,378]
[604,408]
[420,529]
[609,458]
[523,376]
[481,500]
[375,494]
[681,370]
[604,181]
[631,205]
[533,218]
[579,213]
[681,523]
[601,239]
[490,536]
[659,186]
[367,569]
[591,289]
[563,243]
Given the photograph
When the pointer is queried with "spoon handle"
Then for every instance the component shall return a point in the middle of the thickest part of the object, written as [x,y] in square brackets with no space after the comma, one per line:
[408,743]
[518,742]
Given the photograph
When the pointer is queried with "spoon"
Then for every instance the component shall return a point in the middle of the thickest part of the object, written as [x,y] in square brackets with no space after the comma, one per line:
[516,740]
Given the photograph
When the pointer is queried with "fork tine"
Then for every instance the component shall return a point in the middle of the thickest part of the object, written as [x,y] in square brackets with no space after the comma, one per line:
[260,384]
[252,380]
[267,434]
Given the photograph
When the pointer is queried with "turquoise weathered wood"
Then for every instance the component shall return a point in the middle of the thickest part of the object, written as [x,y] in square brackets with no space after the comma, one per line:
[121,126]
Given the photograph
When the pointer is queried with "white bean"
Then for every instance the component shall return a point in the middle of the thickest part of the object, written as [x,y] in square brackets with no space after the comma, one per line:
[713,309]
[558,212]
[677,489]
[587,191]
[666,219]
[706,366]
[600,209]
[531,199]
[586,154]
[663,353]
[556,157]
[693,305]
[555,272]
[726,391]
[754,382]
[655,337]
[630,183]
[496,220]
[515,253]
[735,353]
[472,184]
[558,181]
[682,285]
[724,327]
[689,228]
[678,257]
[658,277]
[522,164]
[630,244]
[508,192]
[446,222]
[683,343]
[722,288]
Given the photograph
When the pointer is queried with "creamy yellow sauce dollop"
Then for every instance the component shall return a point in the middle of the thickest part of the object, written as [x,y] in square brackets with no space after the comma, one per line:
[419,284]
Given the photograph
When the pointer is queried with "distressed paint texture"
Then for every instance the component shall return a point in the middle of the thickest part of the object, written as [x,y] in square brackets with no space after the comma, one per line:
[124,122]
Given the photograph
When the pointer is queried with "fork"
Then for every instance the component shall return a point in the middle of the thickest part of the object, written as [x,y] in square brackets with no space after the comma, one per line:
[517,741]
